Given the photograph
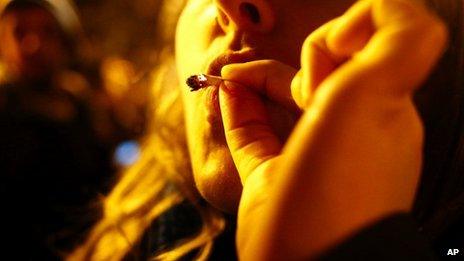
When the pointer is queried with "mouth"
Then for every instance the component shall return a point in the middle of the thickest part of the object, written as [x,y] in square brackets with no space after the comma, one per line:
[211,93]
[242,56]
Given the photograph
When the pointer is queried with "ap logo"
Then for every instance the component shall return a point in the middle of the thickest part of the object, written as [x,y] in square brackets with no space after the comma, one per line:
[452,252]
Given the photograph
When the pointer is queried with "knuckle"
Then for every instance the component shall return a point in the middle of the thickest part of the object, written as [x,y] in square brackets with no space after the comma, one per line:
[309,43]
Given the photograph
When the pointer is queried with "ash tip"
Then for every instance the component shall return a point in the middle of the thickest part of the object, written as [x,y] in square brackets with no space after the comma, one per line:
[196,82]
[192,82]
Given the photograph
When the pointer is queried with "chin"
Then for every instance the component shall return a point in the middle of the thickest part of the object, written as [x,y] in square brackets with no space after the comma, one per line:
[219,184]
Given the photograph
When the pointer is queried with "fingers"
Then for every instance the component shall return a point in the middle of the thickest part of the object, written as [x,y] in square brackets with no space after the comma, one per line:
[386,46]
[268,77]
[317,62]
[387,12]
[283,83]
[247,127]
[247,123]
[330,46]
[352,31]
[408,42]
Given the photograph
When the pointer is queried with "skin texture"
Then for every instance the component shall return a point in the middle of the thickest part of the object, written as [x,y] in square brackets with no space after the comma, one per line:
[208,29]
[32,44]
[355,155]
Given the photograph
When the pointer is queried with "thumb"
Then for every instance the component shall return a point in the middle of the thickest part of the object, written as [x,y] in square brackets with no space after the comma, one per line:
[247,127]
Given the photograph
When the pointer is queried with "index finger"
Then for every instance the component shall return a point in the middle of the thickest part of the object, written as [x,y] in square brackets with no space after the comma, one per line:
[268,77]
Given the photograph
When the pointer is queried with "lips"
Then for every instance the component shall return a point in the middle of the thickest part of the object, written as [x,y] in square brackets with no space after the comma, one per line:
[212,99]
[242,56]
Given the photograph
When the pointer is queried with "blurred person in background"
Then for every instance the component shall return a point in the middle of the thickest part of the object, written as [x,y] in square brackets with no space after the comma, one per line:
[51,162]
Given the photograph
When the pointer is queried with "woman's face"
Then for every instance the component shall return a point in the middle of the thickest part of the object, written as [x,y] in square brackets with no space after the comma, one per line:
[213,33]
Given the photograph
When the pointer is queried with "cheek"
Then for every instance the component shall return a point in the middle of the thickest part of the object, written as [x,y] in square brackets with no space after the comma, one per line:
[194,35]
[296,21]
[192,45]
[193,126]
[183,52]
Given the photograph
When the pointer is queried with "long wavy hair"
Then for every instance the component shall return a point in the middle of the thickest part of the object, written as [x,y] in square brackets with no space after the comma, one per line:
[160,179]
[153,185]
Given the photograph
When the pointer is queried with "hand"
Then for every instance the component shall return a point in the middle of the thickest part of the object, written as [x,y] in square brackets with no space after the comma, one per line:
[355,155]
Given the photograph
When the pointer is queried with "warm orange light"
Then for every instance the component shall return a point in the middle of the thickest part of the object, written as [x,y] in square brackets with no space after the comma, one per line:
[118,75]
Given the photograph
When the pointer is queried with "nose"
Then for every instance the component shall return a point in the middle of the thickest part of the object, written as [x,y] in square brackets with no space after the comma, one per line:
[246,15]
